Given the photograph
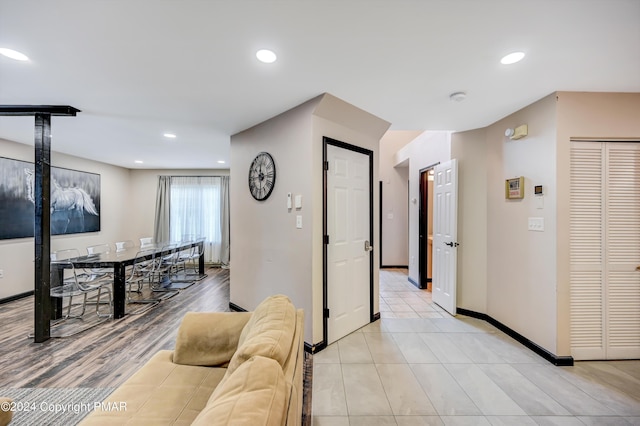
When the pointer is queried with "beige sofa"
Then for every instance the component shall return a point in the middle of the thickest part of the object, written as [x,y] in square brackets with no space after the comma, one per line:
[5,411]
[227,368]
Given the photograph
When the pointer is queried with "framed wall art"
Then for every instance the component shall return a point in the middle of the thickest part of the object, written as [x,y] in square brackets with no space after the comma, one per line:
[75,200]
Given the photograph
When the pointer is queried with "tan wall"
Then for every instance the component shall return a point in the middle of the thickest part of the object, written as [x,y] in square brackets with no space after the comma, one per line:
[268,254]
[521,264]
[584,115]
[16,256]
[470,149]
[395,202]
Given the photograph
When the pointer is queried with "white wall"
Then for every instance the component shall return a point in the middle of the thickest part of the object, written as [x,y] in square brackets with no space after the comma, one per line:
[16,256]
[427,149]
[395,201]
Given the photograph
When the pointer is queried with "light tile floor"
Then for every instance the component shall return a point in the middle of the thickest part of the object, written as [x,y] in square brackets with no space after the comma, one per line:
[401,299]
[418,365]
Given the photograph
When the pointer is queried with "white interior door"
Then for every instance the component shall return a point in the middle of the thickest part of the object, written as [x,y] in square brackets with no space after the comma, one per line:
[348,253]
[445,235]
[605,250]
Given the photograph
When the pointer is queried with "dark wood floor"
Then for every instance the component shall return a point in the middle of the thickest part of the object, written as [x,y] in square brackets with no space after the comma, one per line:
[105,355]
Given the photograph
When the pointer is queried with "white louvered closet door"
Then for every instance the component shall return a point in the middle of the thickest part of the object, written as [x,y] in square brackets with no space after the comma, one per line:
[605,250]
[586,251]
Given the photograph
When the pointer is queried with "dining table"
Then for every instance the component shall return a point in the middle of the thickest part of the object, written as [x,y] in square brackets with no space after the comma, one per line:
[119,260]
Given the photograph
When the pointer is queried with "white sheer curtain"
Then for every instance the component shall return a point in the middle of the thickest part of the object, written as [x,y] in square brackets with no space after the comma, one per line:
[196,211]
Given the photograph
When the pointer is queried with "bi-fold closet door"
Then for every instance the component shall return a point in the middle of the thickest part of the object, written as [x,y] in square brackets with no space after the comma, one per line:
[605,250]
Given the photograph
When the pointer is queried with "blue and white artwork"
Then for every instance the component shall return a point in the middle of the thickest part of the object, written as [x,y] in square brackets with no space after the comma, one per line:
[75,200]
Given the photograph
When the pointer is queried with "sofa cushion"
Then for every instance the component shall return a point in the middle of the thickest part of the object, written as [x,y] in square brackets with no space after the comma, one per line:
[209,338]
[255,394]
[161,392]
[268,333]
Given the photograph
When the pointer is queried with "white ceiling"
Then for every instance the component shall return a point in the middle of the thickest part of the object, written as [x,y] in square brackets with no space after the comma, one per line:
[140,68]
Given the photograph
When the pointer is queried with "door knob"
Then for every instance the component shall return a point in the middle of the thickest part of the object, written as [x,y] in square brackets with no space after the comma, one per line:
[452,244]
[368,246]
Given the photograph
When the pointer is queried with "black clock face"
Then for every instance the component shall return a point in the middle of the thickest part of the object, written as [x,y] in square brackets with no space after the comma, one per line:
[262,176]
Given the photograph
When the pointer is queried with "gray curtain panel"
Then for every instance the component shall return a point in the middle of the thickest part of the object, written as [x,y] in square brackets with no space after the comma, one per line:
[163,202]
[225,251]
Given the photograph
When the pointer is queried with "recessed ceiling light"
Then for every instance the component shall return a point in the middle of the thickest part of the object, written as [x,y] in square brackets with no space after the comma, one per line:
[138,161]
[266,56]
[170,135]
[13,54]
[512,58]
[221,161]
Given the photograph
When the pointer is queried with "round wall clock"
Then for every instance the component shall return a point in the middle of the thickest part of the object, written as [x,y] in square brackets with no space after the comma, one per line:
[262,176]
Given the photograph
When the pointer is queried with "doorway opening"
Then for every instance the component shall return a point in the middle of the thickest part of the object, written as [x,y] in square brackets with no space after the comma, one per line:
[425,228]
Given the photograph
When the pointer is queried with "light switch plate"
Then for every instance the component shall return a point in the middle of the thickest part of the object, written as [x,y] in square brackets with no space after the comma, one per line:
[536,224]
[299,222]
[298,202]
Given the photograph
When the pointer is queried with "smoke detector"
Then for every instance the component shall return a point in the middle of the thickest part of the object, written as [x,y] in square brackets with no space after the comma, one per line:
[458,96]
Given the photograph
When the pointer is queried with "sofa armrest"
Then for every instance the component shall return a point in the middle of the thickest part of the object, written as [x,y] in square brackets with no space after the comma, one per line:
[5,412]
[209,338]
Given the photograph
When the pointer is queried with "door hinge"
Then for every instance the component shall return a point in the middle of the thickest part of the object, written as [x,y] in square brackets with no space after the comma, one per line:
[325,239]
[326,313]
[326,165]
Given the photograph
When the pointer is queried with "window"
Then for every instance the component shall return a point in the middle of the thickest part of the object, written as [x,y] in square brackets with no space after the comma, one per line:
[196,211]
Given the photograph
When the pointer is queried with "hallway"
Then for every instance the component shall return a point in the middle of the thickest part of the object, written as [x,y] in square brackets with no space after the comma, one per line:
[420,366]
[400,299]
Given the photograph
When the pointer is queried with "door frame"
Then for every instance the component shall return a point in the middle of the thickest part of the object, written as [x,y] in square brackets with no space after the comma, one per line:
[380,210]
[325,287]
[422,248]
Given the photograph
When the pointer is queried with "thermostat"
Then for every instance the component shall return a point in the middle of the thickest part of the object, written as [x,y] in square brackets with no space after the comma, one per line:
[537,190]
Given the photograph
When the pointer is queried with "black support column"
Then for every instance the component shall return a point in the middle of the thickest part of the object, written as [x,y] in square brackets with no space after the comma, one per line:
[42,227]
[42,193]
